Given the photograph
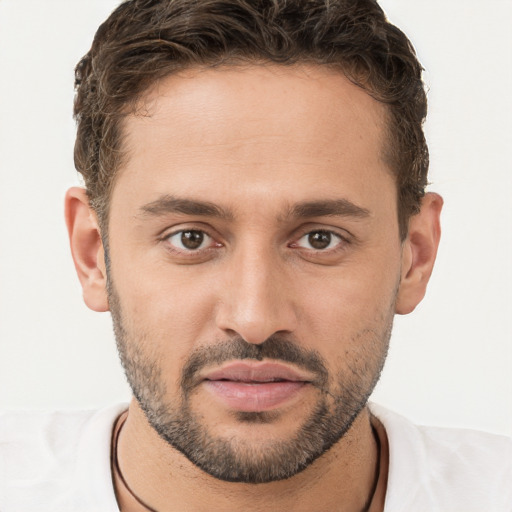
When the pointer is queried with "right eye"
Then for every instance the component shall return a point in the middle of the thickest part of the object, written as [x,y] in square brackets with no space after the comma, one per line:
[190,240]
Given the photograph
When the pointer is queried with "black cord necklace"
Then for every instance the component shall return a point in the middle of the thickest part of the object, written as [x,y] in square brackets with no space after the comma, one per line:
[117,470]
[376,479]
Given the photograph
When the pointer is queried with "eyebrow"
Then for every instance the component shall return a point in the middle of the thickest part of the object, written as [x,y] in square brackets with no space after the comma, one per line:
[170,204]
[328,208]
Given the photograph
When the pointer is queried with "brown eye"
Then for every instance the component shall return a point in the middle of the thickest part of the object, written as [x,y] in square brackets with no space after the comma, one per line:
[192,239]
[319,240]
[189,240]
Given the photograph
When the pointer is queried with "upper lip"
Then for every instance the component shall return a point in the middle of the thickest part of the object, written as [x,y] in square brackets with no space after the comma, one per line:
[256,371]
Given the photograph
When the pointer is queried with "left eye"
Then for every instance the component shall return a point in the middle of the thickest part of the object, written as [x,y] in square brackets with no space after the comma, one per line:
[319,240]
[190,240]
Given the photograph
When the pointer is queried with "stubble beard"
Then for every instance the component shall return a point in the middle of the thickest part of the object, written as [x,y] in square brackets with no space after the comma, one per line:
[240,460]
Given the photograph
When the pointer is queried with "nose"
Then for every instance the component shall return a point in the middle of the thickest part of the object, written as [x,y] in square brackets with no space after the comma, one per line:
[257,299]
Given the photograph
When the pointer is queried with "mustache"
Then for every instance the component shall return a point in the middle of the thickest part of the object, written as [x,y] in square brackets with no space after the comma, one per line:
[275,348]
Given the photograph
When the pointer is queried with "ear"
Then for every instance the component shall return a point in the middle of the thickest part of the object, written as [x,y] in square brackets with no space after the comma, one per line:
[419,253]
[86,248]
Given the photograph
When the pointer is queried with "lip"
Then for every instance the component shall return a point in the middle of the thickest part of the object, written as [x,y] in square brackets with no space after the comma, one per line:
[255,386]
[257,371]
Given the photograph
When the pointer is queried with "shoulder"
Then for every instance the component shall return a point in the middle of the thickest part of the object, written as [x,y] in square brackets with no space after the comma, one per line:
[43,454]
[440,469]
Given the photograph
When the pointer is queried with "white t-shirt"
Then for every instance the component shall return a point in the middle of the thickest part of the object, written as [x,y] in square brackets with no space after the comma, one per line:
[60,462]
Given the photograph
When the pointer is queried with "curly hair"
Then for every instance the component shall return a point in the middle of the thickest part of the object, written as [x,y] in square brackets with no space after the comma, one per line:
[144,41]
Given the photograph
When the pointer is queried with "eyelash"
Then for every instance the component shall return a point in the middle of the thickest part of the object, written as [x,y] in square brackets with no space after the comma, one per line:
[332,235]
[342,242]
[183,250]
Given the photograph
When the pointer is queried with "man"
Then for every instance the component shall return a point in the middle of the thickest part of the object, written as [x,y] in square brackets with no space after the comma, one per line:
[254,216]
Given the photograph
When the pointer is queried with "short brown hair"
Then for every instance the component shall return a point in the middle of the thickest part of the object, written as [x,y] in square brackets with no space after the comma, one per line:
[145,40]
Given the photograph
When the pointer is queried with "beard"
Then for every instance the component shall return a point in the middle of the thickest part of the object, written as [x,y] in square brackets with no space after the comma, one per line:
[341,398]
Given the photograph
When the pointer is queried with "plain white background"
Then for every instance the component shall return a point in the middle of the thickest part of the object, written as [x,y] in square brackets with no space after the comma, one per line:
[450,361]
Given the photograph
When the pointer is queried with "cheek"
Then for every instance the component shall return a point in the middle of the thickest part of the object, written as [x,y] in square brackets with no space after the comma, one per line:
[354,297]
[350,313]
[164,312]
[353,336]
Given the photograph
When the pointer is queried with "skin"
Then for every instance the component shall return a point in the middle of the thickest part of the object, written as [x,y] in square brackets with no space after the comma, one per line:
[255,142]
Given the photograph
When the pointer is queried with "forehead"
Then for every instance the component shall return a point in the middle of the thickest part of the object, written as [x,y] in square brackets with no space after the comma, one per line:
[248,95]
[263,128]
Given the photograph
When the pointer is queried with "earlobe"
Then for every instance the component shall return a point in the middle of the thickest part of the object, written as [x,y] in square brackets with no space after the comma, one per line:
[86,248]
[419,253]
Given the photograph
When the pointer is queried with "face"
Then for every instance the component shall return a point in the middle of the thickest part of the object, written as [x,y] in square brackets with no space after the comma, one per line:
[254,263]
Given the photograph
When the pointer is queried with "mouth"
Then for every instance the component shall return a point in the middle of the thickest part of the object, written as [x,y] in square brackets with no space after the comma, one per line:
[255,386]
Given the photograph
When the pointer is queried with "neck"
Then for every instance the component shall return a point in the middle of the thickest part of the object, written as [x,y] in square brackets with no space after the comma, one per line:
[343,479]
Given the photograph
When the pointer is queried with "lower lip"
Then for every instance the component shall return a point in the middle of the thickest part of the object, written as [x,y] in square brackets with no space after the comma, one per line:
[254,397]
